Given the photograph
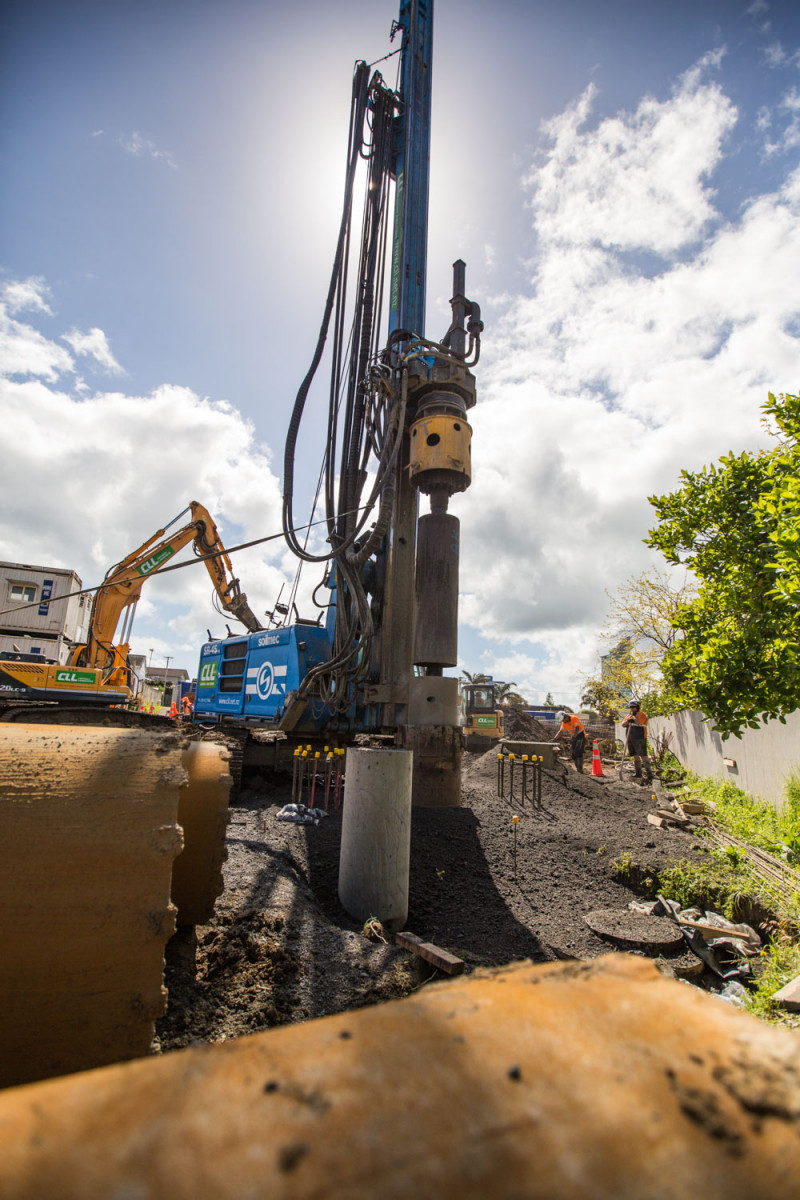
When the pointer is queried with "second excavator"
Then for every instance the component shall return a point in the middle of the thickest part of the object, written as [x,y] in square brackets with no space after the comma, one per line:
[98,671]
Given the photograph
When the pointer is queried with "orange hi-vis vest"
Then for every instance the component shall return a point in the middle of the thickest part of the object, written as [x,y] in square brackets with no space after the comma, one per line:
[571,724]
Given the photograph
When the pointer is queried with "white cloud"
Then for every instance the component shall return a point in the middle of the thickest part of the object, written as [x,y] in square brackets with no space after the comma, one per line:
[95,345]
[776,56]
[788,137]
[23,349]
[635,181]
[90,479]
[19,295]
[138,146]
[618,370]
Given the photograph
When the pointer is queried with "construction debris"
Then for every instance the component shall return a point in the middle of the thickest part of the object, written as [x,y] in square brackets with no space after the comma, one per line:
[713,926]
[441,959]
[725,956]
[300,814]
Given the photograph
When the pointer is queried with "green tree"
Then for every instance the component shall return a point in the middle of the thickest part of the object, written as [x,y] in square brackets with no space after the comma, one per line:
[477,677]
[639,630]
[736,526]
[642,613]
[626,674]
[602,696]
[780,502]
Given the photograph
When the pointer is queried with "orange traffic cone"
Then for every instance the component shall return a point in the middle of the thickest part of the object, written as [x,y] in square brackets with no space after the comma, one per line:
[597,766]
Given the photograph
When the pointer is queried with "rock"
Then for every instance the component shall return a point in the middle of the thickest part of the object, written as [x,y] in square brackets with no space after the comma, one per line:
[789,996]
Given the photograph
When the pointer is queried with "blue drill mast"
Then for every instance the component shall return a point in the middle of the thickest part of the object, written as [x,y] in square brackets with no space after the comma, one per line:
[396,427]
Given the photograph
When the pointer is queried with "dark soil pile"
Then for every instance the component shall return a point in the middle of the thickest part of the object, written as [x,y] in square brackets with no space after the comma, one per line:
[523,728]
[281,948]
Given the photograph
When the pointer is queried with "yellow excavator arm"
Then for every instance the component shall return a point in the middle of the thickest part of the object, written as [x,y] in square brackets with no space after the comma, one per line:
[119,592]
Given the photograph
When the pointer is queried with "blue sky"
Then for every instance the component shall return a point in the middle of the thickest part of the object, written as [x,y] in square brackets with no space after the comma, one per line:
[621,179]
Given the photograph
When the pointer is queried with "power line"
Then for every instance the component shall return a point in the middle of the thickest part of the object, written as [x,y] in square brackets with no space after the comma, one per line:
[191,562]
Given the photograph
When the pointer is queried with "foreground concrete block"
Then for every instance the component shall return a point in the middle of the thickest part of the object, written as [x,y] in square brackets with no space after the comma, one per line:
[789,995]
[89,831]
[571,1080]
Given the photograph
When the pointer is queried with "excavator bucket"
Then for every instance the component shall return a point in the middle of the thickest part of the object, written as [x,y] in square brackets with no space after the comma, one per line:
[92,821]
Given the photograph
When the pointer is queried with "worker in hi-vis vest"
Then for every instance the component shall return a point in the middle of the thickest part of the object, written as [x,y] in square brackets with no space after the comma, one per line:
[635,726]
[577,737]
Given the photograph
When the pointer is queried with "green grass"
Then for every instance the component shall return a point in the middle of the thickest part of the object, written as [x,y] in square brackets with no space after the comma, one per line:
[779,964]
[713,883]
[776,830]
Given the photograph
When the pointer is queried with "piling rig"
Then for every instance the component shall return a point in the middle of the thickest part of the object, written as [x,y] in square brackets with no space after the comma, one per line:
[396,427]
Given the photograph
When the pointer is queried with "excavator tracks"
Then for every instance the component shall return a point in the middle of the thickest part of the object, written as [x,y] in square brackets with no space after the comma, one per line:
[110,836]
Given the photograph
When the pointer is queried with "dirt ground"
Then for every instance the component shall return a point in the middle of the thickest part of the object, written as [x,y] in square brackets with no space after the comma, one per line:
[281,948]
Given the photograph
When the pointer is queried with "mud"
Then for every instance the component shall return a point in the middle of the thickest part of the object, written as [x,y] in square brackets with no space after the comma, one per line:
[281,949]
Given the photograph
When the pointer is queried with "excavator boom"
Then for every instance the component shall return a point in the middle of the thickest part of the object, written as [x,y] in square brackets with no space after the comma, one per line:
[97,671]
[122,587]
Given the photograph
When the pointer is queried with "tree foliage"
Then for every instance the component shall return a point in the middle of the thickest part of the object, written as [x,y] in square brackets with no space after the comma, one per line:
[639,631]
[736,526]
[643,612]
[477,677]
[627,674]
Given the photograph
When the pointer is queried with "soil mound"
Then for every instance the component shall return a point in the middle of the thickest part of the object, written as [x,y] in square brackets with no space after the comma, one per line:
[523,728]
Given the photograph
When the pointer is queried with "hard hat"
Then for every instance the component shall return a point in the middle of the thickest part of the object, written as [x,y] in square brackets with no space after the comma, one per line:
[560,716]
[634,704]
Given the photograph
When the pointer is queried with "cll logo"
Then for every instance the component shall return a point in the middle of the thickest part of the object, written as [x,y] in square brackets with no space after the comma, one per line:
[76,677]
[155,560]
[208,675]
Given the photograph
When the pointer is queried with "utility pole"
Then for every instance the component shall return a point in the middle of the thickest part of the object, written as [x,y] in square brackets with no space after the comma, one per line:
[166,669]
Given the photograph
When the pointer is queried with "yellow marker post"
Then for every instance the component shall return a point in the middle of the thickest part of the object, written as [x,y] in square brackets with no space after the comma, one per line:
[515,823]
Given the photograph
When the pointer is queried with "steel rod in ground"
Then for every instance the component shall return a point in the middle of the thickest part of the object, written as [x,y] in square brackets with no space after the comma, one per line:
[328,776]
[338,788]
[295,774]
[314,768]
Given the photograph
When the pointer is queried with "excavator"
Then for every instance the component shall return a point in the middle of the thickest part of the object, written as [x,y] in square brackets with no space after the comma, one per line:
[97,672]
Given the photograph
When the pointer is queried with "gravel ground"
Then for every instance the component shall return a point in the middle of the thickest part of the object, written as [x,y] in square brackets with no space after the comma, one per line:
[281,948]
